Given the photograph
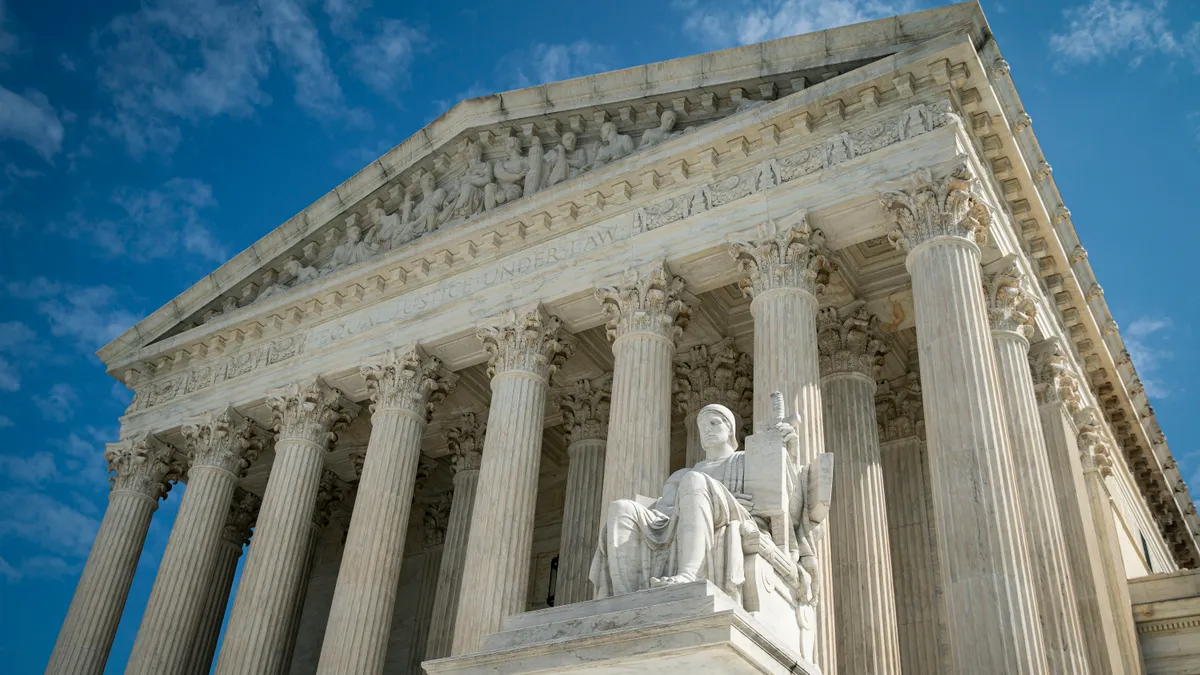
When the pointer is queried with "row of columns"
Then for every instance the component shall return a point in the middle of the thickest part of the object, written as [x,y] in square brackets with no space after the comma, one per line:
[991,479]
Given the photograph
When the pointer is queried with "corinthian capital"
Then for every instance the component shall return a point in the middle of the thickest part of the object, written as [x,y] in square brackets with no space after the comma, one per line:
[927,208]
[436,518]
[1094,449]
[1010,309]
[1054,380]
[898,408]
[790,256]
[243,512]
[331,492]
[716,373]
[530,341]
[311,411]
[465,441]
[647,300]
[848,340]
[144,465]
[224,440]
[407,378]
[584,406]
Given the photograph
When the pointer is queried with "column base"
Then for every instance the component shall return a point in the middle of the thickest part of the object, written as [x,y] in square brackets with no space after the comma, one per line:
[685,629]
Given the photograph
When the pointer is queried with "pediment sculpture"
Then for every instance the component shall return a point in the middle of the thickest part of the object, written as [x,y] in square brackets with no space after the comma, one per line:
[746,521]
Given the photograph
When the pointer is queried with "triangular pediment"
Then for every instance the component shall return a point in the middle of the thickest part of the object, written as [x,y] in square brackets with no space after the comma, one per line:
[488,153]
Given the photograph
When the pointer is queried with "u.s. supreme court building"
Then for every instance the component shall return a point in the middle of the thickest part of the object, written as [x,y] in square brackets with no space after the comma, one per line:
[411,405]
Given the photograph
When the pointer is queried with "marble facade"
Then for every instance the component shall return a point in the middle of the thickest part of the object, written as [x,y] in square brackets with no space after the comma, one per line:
[423,391]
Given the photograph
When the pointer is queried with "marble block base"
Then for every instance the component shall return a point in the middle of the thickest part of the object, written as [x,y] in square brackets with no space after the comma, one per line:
[680,629]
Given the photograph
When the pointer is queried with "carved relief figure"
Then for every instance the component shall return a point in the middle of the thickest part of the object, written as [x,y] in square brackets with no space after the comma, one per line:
[353,249]
[476,189]
[294,273]
[516,173]
[565,161]
[665,131]
[390,230]
[612,147]
[433,210]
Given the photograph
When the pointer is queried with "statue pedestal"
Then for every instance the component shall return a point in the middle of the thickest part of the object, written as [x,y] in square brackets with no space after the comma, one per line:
[690,628]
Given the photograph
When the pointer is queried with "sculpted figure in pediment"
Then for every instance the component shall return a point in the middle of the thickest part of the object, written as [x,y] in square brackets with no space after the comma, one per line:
[294,274]
[517,174]
[564,161]
[353,249]
[434,209]
[612,147]
[390,230]
[665,131]
[476,187]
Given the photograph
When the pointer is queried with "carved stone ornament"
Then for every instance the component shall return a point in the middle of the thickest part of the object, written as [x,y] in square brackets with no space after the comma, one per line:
[927,209]
[426,468]
[1054,380]
[144,465]
[1094,449]
[1010,307]
[331,492]
[408,379]
[648,300]
[898,408]
[243,513]
[435,519]
[717,373]
[529,341]
[311,411]
[585,406]
[225,440]
[465,441]
[790,256]
[1000,68]
[848,340]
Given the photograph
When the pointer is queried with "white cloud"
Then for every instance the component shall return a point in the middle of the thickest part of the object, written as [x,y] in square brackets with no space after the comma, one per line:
[543,63]
[91,316]
[296,39]
[8,41]
[383,61]
[10,379]
[43,520]
[1126,28]
[9,572]
[31,120]
[724,24]
[5,421]
[34,468]
[58,404]
[1143,340]
[18,345]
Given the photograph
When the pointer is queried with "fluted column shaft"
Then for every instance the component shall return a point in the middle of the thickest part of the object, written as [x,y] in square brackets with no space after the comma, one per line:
[431,565]
[525,349]
[1061,627]
[988,589]
[256,642]
[204,646]
[454,552]
[361,616]
[87,633]
[582,512]
[91,624]
[867,640]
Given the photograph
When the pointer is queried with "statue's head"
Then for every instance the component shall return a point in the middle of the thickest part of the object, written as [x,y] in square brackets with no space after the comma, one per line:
[718,430]
[667,121]
[427,182]
[354,234]
[608,132]
[474,152]
[568,141]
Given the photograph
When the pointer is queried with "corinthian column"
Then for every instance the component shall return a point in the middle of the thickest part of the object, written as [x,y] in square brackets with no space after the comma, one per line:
[434,520]
[783,270]
[864,600]
[404,389]
[524,350]
[1011,311]
[584,406]
[235,535]
[141,469]
[988,588]
[465,441]
[306,417]
[1058,392]
[717,373]
[220,447]
[646,313]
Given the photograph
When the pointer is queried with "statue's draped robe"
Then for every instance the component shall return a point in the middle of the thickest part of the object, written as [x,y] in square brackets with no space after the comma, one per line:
[639,543]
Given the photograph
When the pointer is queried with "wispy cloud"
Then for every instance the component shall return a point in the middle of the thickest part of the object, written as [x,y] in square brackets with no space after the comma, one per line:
[384,60]
[5,421]
[30,119]
[726,24]
[90,316]
[41,519]
[1128,29]
[8,41]
[1144,340]
[58,405]
[295,38]
[18,345]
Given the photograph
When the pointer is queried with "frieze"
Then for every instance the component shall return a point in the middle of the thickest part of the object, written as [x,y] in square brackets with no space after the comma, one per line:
[763,176]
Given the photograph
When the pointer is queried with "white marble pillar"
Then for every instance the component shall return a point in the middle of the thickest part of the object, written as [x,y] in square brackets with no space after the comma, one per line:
[1058,392]
[851,353]
[306,415]
[1096,457]
[647,311]
[404,389]
[220,446]
[234,536]
[465,441]
[717,373]
[142,468]
[987,577]
[783,270]
[1011,311]
[585,407]
[435,519]
[524,349]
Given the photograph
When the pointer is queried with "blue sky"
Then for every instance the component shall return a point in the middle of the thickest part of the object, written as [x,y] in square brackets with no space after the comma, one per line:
[143,144]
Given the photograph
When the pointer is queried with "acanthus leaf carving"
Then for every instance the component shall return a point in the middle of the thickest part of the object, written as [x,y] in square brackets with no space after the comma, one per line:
[144,465]
[331,492]
[648,299]
[243,513]
[717,373]
[408,379]
[435,519]
[584,406]
[465,441]
[529,341]
[790,256]
[848,340]
[1054,380]
[1095,451]
[1010,307]
[898,408]
[928,208]
[225,440]
[311,411]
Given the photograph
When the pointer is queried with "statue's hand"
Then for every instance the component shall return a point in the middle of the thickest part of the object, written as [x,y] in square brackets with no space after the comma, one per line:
[745,500]
[788,432]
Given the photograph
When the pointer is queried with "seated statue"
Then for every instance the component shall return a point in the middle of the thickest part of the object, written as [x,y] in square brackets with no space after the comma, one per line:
[731,519]
[612,146]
